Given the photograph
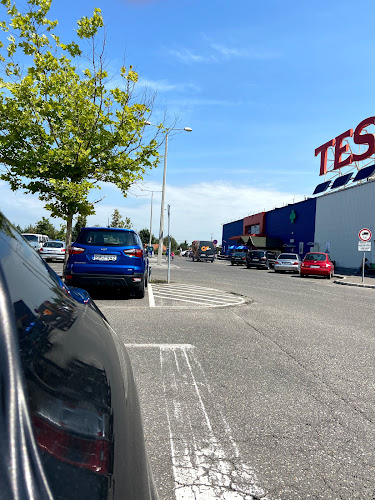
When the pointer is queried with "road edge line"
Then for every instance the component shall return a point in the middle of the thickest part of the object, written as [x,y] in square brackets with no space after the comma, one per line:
[151,300]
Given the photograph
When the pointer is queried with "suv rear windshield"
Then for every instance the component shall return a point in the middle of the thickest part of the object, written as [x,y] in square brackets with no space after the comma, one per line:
[256,255]
[315,256]
[107,237]
[287,256]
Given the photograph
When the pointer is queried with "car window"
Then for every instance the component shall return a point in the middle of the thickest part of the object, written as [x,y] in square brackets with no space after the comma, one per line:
[53,244]
[256,255]
[287,256]
[108,238]
[30,237]
[315,256]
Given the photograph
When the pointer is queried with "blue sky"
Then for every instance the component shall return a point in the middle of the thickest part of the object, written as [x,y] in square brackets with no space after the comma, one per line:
[262,84]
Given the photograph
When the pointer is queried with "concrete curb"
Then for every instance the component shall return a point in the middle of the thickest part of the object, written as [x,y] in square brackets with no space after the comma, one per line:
[351,283]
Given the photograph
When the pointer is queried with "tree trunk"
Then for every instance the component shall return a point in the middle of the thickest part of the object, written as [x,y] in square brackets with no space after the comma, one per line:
[68,240]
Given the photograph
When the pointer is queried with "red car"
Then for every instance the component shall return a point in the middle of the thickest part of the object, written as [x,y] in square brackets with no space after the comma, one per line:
[317,264]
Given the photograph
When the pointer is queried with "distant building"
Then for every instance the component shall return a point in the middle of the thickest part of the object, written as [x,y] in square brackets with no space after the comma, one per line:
[326,223]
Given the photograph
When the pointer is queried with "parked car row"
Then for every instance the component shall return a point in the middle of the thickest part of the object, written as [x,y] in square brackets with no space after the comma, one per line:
[314,263]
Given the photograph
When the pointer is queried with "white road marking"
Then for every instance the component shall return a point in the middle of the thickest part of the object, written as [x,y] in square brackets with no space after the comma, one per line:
[151,300]
[202,300]
[197,295]
[164,346]
[206,463]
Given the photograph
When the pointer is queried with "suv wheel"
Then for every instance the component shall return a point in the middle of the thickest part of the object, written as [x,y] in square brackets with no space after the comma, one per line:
[140,292]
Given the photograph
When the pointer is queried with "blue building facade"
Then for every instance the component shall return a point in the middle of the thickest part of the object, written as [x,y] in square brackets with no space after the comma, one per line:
[231,229]
[294,225]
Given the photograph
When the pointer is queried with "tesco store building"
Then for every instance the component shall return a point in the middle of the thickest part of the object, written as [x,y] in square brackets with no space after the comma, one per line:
[330,220]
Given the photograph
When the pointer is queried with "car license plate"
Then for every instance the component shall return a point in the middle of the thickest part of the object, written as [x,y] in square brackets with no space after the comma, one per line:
[104,257]
[316,267]
[255,260]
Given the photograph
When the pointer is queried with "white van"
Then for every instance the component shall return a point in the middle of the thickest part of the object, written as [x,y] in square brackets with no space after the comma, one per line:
[35,240]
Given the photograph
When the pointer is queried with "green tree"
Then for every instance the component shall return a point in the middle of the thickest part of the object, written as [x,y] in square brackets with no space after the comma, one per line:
[80,223]
[44,226]
[29,229]
[118,221]
[184,245]
[64,127]
[61,233]
[145,236]
[173,243]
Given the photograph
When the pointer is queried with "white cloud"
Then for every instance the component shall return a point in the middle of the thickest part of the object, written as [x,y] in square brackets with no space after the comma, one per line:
[197,210]
[217,52]
[165,86]
[188,56]
[22,209]
[242,52]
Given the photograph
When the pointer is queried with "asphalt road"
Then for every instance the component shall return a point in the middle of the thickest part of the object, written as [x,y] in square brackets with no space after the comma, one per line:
[253,384]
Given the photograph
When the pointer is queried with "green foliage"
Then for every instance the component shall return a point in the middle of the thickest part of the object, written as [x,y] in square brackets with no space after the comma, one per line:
[61,233]
[80,223]
[174,245]
[30,229]
[118,221]
[65,130]
[184,245]
[45,227]
[145,236]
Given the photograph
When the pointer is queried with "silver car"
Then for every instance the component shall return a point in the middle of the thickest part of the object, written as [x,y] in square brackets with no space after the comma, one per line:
[287,262]
[53,250]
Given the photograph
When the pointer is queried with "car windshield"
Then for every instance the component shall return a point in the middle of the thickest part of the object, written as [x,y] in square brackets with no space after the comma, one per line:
[315,256]
[30,237]
[256,255]
[288,256]
[108,238]
[53,244]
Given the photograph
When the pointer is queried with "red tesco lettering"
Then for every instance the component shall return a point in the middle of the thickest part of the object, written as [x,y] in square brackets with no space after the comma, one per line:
[341,147]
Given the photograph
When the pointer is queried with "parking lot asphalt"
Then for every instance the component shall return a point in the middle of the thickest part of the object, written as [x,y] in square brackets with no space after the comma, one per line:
[270,396]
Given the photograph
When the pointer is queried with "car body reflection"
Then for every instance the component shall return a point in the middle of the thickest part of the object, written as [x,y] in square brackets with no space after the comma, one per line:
[77,381]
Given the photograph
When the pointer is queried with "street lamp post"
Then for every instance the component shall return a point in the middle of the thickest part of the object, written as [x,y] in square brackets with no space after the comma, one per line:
[161,231]
[152,197]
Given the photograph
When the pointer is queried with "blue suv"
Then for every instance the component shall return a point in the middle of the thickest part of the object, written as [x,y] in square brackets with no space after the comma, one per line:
[110,257]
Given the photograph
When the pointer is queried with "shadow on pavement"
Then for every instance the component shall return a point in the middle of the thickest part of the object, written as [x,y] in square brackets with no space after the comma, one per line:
[102,293]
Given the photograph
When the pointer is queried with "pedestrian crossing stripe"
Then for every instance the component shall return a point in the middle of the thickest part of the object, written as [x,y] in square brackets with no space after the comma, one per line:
[188,295]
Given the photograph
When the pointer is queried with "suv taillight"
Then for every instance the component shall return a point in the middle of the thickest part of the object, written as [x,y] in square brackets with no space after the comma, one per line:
[134,252]
[75,250]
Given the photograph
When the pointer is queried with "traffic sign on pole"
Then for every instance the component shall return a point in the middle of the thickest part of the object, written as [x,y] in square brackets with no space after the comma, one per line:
[364,246]
[364,234]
